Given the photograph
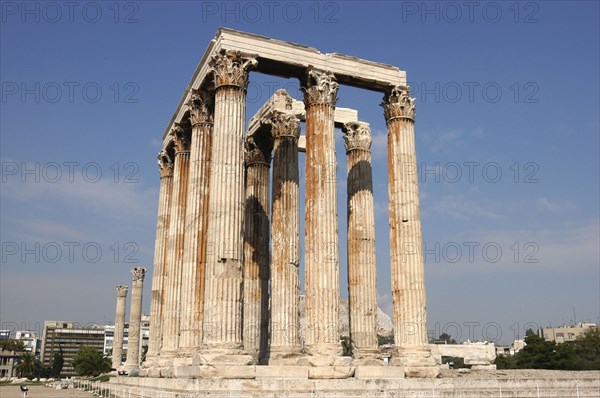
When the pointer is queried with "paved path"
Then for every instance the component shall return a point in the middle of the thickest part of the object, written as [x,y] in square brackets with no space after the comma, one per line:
[42,392]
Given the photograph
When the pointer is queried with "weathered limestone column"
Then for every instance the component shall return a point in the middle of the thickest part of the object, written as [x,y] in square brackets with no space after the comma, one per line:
[406,257]
[285,255]
[172,308]
[256,248]
[117,350]
[165,165]
[135,318]
[321,226]
[196,221]
[222,331]
[362,282]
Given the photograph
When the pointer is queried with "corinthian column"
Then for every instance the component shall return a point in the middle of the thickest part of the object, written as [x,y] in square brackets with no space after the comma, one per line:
[223,291]
[165,165]
[362,285]
[117,350]
[172,281]
[285,256]
[321,226]
[196,220]
[406,257]
[135,317]
[256,248]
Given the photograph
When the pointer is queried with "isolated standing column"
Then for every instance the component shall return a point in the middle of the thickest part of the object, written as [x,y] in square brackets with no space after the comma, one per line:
[135,318]
[362,282]
[117,350]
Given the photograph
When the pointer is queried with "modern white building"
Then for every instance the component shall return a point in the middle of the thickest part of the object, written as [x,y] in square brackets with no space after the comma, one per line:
[510,350]
[109,333]
[30,341]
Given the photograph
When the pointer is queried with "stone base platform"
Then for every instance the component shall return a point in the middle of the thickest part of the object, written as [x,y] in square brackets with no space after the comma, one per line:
[275,372]
[372,383]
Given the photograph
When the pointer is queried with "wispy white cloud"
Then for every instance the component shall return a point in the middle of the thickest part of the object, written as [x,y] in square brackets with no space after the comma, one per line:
[47,230]
[441,141]
[156,143]
[463,208]
[379,145]
[448,140]
[381,208]
[548,205]
[566,248]
[104,197]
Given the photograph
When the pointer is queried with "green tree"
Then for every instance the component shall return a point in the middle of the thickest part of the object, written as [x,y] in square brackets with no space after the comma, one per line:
[505,362]
[56,365]
[89,362]
[382,340]
[12,345]
[586,350]
[581,354]
[445,338]
[28,366]
[537,353]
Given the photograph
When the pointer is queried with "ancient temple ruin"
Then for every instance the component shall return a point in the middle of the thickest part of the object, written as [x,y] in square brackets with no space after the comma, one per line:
[226,282]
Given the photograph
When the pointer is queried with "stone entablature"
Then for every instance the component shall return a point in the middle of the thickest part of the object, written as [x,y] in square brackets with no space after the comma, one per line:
[289,60]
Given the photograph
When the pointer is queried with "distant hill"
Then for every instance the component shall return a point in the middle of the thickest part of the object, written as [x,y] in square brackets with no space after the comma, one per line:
[384,324]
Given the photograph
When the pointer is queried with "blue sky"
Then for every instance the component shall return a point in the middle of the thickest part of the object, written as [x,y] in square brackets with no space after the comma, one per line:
[507,135]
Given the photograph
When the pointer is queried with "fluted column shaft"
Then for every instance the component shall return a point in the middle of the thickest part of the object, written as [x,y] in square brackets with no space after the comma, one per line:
[223,289]
[362,282]
[256,249]
[196,220]
[285,256]
[135,318]
[176,243]
[406,257]
[117,350]
[321,226]
[160,255]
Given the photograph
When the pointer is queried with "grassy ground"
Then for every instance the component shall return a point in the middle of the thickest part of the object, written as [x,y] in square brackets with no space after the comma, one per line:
[28,383]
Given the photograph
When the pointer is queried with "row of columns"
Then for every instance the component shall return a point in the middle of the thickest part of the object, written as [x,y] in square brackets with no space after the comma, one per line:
[213,274]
